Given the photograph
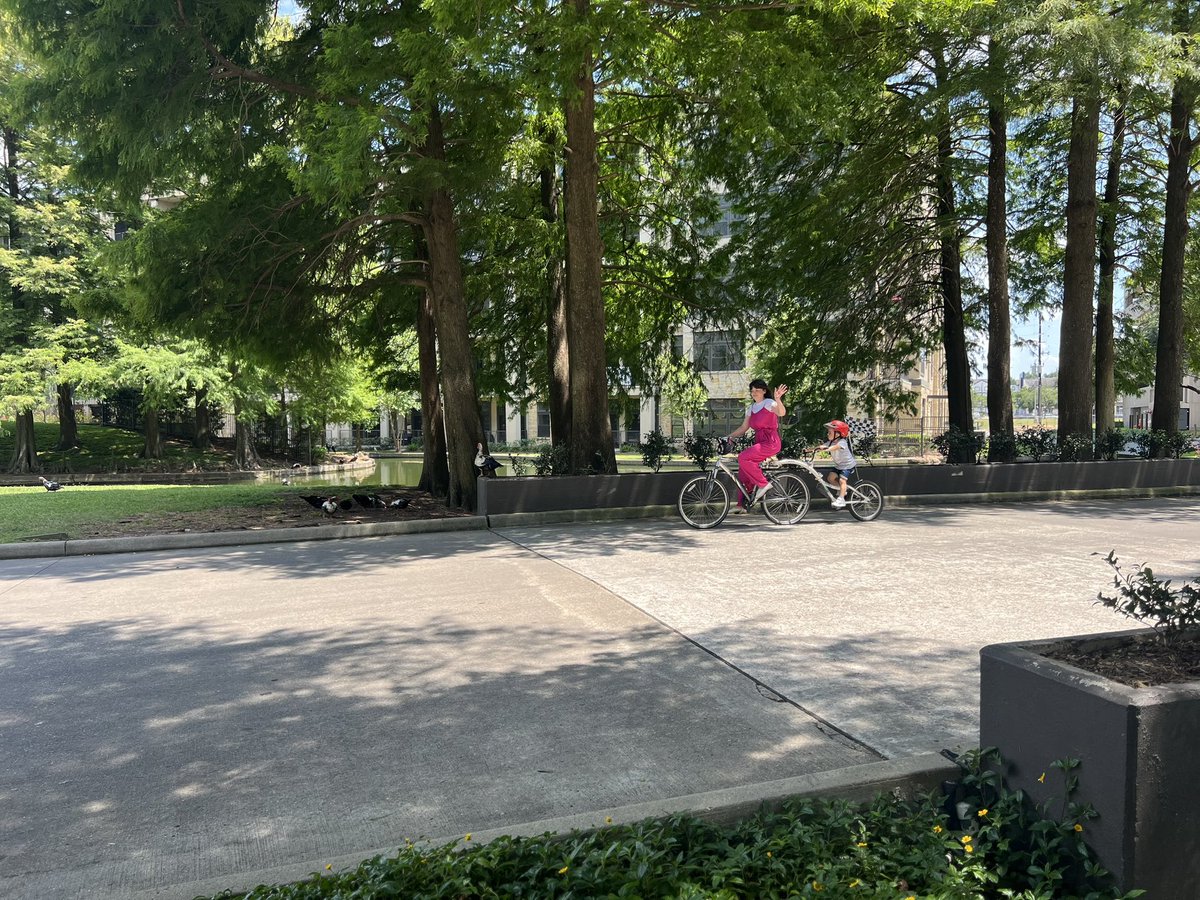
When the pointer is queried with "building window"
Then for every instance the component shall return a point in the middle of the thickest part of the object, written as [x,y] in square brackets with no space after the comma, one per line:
[677,346]
[723,416]
[543,421]
[502,423]
[718,351]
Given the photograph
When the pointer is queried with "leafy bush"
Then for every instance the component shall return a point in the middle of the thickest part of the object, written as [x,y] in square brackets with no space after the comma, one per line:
[866,446]
[1002,446]
[655,449]
[518,464]
[1001,846]
[1109,444]
[1177,443]
[1148,600]
[1037,442]
[552,460]
[1148,443]
[958,446]
[1075,447]
[794,442]
[700,449]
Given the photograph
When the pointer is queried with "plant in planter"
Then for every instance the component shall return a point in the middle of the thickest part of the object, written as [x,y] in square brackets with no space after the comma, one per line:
[958,446]
[1037,442]
[1128,705]
[700,449]
[1109,444]
[655,449]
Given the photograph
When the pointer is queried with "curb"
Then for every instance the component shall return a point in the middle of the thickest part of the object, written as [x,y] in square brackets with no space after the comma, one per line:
[905,778]
[92,546]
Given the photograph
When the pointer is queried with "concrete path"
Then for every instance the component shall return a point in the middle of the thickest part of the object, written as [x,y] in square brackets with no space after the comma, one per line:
[176,719]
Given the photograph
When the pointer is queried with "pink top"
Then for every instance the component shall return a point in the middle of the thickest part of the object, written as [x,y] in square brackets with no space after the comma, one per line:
[765,423]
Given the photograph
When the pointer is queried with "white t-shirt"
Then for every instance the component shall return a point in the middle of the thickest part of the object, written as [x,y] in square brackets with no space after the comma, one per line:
[765,403]
[843,458]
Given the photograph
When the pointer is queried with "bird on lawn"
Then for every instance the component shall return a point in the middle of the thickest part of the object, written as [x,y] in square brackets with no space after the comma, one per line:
[330,506]
[369,501]
[50,485]
[399,503]
[313,500]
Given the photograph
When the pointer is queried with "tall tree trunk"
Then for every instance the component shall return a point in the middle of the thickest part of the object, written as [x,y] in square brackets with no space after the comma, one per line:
[1106,392]
[153,448]
[558,362]
[1075,396]
[202,435]
[68,425]
[954,333]
[24,458]
[435,473]
[245,454]
[591,430]
[999,387]
[460,396]
[1168,365]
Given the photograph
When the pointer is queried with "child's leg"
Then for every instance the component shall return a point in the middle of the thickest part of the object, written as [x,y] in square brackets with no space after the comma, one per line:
[842,487]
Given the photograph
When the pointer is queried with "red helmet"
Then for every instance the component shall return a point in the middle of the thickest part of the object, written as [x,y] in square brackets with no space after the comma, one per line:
[839,427]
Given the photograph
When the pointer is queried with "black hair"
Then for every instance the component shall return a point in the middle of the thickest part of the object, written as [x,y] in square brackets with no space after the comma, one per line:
[759,383]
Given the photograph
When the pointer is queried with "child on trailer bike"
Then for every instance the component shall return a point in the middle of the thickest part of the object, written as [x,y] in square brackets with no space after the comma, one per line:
[766,409]
[837,444]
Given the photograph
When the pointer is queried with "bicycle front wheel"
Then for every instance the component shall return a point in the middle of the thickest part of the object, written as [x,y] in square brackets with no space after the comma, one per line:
[866,501]
[703,502]
[787,501]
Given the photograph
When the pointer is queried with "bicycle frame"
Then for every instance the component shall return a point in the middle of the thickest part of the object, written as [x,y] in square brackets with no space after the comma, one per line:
[814,473]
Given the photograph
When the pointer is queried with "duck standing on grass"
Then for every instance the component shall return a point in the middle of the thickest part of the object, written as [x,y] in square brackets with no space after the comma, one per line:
[49,485]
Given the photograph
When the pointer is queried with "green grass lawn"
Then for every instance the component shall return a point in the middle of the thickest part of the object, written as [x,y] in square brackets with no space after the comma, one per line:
[29,511]
[108,449]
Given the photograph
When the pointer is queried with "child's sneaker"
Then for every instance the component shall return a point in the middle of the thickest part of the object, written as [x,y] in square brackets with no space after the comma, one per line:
[838,503]
[758,494]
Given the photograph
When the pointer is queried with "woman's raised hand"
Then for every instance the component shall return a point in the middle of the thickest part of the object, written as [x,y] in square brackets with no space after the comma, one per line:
[781,390]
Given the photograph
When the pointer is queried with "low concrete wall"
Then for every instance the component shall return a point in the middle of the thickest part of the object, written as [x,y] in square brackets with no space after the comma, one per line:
[997,481]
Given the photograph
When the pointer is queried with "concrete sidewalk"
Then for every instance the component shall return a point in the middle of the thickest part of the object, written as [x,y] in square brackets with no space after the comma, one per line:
[178,722]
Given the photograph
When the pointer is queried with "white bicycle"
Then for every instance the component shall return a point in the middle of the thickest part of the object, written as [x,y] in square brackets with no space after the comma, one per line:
[704,501]
[864,499]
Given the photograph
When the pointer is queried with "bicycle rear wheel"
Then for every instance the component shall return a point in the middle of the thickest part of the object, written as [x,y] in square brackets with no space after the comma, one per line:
[866,501]
[703,502]
[787,501]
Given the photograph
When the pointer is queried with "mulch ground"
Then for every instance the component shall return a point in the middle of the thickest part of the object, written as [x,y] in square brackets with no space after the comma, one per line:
[1141,663]
[290,512]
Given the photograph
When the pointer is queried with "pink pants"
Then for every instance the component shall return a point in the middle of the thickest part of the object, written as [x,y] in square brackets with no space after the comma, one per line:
[750,460]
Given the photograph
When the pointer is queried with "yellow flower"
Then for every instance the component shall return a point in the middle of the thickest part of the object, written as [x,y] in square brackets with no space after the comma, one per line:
[608,820]
[861,844]
[1042,780]
[563,870]
[468,837]
[969,848]
[981,813]
[937,829]
[329,867]
[817,886]
[1078,827]
[966,839]
[768,854]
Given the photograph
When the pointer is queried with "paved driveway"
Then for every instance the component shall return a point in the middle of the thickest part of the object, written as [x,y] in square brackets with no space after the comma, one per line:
[174,718]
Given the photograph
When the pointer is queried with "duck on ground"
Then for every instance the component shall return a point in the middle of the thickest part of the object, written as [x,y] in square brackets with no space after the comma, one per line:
[369,501]
[49,485]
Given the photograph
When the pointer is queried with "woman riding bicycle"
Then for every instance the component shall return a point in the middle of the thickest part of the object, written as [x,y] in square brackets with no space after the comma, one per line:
[763,416]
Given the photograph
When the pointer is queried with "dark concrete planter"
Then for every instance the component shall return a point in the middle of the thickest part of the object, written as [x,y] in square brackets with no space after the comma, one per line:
[1031,477]
[499,496]
[1138,747]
